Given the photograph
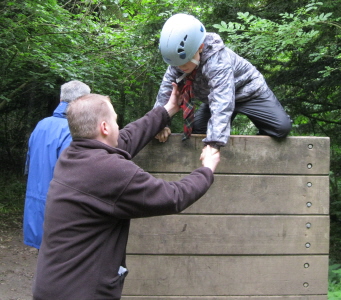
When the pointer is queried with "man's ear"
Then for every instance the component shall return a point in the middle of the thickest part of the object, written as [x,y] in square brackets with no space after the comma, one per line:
[201,47]
[104,128]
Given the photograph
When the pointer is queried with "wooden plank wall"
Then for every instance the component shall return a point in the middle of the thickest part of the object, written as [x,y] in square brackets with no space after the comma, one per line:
[261,232]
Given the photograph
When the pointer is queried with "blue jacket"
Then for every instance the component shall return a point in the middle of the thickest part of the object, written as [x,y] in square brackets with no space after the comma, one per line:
[50,137]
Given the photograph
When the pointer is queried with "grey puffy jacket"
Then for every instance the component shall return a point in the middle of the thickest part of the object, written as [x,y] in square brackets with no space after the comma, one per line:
[222,79]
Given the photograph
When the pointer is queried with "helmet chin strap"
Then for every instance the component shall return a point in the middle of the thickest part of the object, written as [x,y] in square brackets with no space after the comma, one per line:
[195,62]
[181,77]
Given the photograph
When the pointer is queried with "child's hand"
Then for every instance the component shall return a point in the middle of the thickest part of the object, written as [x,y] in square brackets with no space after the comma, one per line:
[202,155]
[210,157]
[163,135]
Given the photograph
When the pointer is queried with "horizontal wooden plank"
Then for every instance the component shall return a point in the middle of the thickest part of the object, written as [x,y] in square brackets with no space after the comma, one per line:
[261,194]
[242,155]
[152,275]
[229,235]
[295,297]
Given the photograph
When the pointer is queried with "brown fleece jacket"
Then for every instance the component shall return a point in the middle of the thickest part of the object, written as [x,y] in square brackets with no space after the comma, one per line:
[95,191]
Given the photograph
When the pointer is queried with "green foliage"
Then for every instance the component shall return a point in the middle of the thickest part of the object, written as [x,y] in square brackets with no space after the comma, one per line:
[242,125]
[12,193]
[334,278]
[45,43]
[258,36]
[112,45]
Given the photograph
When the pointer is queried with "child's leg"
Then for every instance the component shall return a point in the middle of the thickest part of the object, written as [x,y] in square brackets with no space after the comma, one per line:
[201,117]
[267,114]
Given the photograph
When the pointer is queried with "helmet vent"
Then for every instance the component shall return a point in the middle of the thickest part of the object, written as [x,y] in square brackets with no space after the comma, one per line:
[182,55]
[181,51]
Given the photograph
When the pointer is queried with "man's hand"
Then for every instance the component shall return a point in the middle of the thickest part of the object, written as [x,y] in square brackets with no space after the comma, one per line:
[213,150]
[210,157]
[173,105]
[163,135]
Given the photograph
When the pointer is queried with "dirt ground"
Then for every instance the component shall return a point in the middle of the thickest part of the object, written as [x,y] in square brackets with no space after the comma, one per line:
[17,261]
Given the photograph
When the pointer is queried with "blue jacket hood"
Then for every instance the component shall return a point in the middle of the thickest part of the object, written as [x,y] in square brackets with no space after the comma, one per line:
[60,111]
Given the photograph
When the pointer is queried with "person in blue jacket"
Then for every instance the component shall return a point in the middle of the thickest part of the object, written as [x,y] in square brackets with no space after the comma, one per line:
[49,138]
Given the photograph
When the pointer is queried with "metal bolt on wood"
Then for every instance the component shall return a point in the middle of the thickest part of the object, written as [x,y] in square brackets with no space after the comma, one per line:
[308,225]
[307,245]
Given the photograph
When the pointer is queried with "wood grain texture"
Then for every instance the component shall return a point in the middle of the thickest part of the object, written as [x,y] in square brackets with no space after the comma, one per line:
[226,235]
[261,232]
[242,155]
[261,194]
[226,275]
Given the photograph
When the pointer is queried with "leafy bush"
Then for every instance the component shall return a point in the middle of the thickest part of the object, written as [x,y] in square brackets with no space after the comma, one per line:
[334,292]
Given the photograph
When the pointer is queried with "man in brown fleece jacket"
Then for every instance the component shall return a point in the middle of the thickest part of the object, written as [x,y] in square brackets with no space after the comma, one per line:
[96,190]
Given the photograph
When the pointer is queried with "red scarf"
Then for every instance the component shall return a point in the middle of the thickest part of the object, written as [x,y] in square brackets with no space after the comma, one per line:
[187,105]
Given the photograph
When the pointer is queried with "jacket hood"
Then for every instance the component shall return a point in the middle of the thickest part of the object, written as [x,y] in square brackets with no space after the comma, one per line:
[60,111]
[212,44]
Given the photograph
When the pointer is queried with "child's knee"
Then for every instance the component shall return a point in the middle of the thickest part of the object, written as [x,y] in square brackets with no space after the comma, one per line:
[284,127]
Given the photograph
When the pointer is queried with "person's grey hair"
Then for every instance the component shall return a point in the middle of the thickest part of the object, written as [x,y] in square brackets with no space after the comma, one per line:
[72,90]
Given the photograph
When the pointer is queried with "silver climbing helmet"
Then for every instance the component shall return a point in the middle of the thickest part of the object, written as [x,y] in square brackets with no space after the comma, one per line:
[180,39]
